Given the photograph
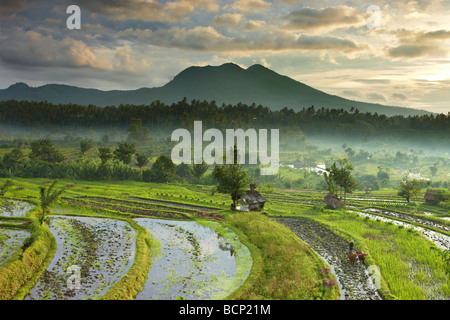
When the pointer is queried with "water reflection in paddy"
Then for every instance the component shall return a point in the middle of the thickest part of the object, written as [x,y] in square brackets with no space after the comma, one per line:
[194,262]
[102,248]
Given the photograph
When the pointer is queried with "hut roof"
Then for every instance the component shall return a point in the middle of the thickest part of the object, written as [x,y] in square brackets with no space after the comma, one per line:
[429,195]
[255,197]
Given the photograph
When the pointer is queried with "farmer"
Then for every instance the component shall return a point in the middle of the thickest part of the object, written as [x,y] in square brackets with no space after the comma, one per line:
[351,247]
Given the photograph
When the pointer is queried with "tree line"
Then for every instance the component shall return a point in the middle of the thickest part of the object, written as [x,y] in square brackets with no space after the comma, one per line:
[158,115]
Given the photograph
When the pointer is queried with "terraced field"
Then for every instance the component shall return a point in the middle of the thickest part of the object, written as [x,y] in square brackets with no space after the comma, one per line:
[192,254]
[191,261]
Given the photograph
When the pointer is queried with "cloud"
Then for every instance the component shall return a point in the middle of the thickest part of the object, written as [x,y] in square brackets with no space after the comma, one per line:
[12,6]
[415,44]
[147,10]
[253,25]
[30,48]
[250,5]
[411,51]
[329,18]
[228,19]
[208,39]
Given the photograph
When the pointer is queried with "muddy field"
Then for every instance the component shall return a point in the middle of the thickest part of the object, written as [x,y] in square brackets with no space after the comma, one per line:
[125,207]
[176,204]
[353,279]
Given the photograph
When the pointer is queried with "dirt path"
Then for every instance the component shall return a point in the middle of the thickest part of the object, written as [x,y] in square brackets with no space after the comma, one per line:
[354,280]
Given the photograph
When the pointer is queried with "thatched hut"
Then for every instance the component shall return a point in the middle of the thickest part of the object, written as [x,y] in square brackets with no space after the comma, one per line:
[333,202]
[251,200]
[429,196]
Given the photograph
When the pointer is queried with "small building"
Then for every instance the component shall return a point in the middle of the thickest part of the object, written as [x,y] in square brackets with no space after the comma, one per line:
[251,200]
[333,202]
[429,196]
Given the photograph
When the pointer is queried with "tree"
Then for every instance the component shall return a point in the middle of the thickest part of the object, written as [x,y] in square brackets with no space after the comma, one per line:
[409,189]
[198,170]
[19,143]
[85,146]
[231,178]
[183,171]
[137,132]
[369,181]
[142,160]
[340,178]
[13,158]
[124,152]
[105,154]
[433,170]
[44,150]
[47,197]
[441,196]
[163,170]
[330,181]
[350,152]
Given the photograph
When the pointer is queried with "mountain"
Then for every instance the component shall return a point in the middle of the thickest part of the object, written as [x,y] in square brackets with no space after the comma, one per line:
[228,83]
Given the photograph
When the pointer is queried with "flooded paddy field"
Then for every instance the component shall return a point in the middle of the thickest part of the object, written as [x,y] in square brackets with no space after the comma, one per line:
[13,208]
[195,262]
[409,217]
[10,242]
[101,249]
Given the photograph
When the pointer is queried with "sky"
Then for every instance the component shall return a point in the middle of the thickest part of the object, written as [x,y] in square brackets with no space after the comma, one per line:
[399,55]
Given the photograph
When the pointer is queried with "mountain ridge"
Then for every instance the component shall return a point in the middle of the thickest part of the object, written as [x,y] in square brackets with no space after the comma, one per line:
[224,84]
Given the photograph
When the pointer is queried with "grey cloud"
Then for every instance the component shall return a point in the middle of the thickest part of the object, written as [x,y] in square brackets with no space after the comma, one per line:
[31,48]
[411,51]
[310,19]
[209,39]
[414,44]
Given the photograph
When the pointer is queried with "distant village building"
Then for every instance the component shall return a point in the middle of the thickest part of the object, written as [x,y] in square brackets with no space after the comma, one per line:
[333,201]
[251,200]
[429,196]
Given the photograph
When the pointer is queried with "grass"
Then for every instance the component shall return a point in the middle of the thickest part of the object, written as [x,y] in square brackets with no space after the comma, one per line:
[283,266]
[409,263]
[288,268]
[21,272]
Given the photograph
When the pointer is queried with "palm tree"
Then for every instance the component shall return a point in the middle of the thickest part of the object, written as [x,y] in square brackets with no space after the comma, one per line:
[141,160]
[85,146]
[198,170]
[47,198]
